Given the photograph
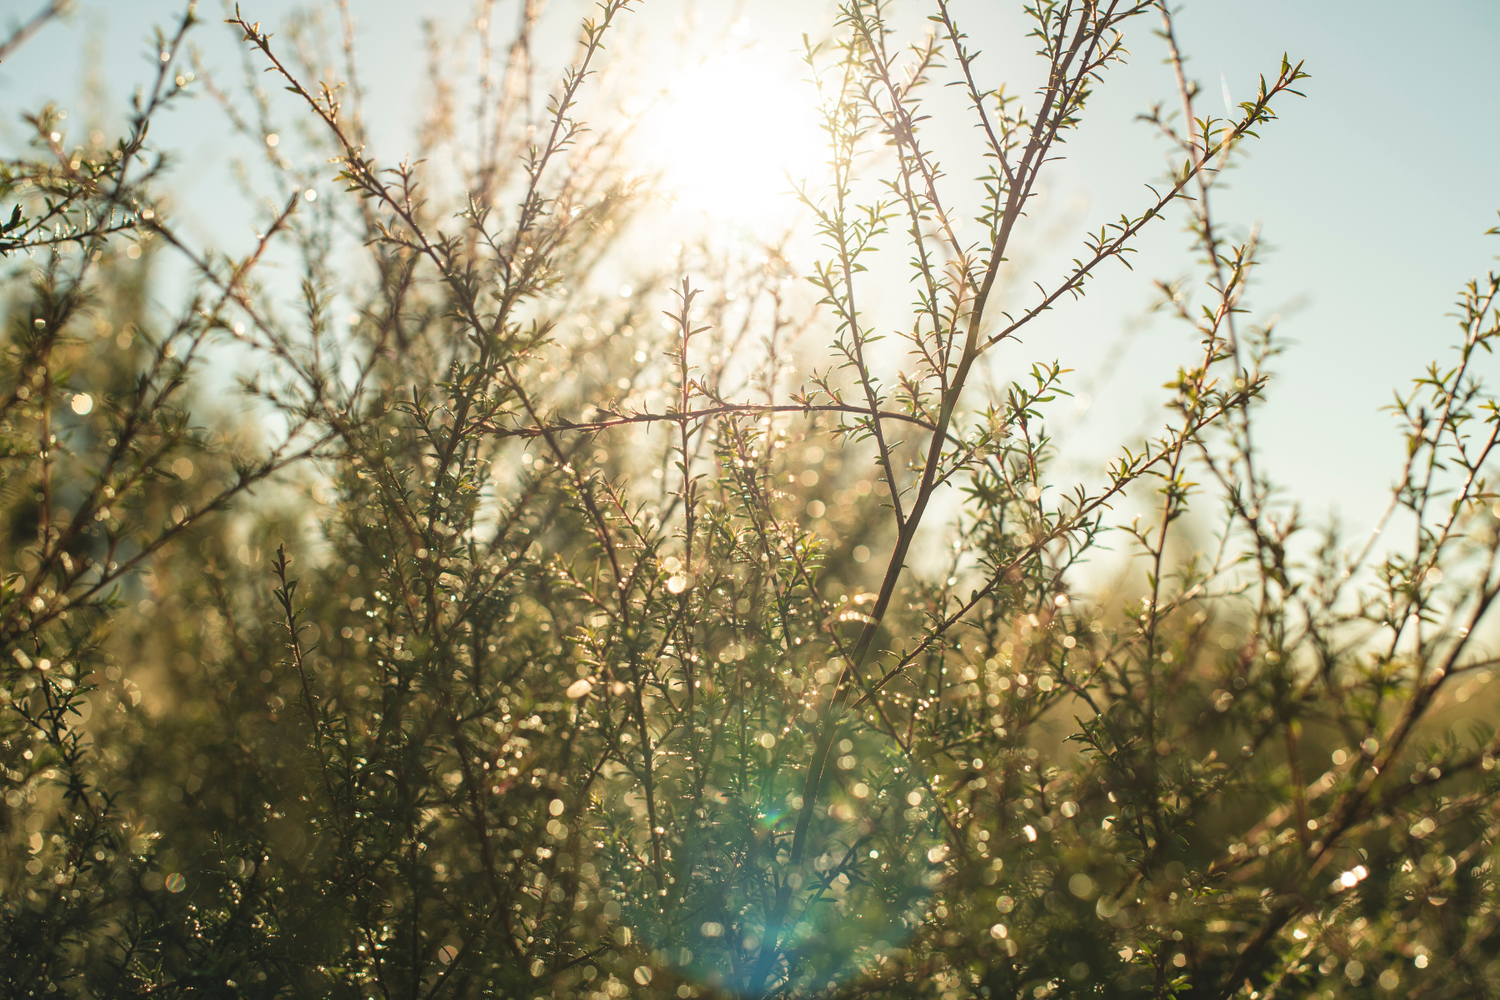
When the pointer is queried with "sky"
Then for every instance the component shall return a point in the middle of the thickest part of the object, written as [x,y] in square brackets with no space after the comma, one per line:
[1374,192]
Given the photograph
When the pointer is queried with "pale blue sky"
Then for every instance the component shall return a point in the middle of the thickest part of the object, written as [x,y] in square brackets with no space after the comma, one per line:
[1375,191]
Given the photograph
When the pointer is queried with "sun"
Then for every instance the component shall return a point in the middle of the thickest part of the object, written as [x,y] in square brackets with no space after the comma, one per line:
[733,135]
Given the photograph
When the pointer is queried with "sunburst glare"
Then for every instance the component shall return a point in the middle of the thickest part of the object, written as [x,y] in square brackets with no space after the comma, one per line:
[733,134]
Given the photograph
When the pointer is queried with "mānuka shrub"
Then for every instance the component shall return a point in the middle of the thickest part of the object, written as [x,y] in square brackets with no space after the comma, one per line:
[537,643]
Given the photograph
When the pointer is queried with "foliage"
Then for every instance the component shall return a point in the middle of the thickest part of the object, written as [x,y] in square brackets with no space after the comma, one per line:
[562,651]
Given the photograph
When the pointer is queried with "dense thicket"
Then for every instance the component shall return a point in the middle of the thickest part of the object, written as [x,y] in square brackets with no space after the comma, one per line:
[537,644]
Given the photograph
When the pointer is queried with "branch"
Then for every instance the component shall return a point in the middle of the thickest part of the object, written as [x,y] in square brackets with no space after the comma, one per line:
[615,420]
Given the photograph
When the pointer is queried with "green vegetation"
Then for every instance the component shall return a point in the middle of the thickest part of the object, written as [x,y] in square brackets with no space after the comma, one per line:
[533,646]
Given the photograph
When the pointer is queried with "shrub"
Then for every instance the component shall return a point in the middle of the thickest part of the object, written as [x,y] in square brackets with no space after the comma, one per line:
[559,651]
